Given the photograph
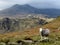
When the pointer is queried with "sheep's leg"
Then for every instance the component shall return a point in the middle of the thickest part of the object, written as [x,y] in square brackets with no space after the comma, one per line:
[41,37]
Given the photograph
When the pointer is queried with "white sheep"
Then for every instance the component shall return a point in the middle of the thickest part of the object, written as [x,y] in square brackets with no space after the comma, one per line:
[44,33]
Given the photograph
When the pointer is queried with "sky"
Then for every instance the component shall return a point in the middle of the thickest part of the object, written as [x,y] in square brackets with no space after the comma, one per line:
[35,3]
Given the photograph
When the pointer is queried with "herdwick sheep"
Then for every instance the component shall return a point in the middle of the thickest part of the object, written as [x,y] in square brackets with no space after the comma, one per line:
[44,33]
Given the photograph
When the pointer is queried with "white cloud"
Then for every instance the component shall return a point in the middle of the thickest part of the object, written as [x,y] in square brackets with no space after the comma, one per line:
[46,3]
[7,3]
[4,4]
[35,3]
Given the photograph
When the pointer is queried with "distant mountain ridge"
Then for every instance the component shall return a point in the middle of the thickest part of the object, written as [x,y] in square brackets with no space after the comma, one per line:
[27,9]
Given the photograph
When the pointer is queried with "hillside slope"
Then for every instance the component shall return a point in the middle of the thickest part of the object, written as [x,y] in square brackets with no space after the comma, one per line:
[33,34]
[53,26]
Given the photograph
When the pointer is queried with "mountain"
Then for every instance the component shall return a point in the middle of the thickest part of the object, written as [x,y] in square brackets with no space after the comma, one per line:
[20,9]
[51,12]
[27,9]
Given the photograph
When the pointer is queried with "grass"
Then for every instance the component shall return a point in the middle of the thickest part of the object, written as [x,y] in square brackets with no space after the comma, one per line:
[33,33]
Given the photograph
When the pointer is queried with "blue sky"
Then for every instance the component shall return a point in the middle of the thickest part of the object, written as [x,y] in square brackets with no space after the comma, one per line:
[36,3]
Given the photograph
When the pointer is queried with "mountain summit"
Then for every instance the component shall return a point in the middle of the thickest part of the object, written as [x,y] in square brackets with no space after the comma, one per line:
[28,9]
[20,9]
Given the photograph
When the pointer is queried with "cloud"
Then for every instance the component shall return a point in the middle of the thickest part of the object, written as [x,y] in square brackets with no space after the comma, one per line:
[46,3]
[15,1]
[4,4]
[36,3]
[7,3]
